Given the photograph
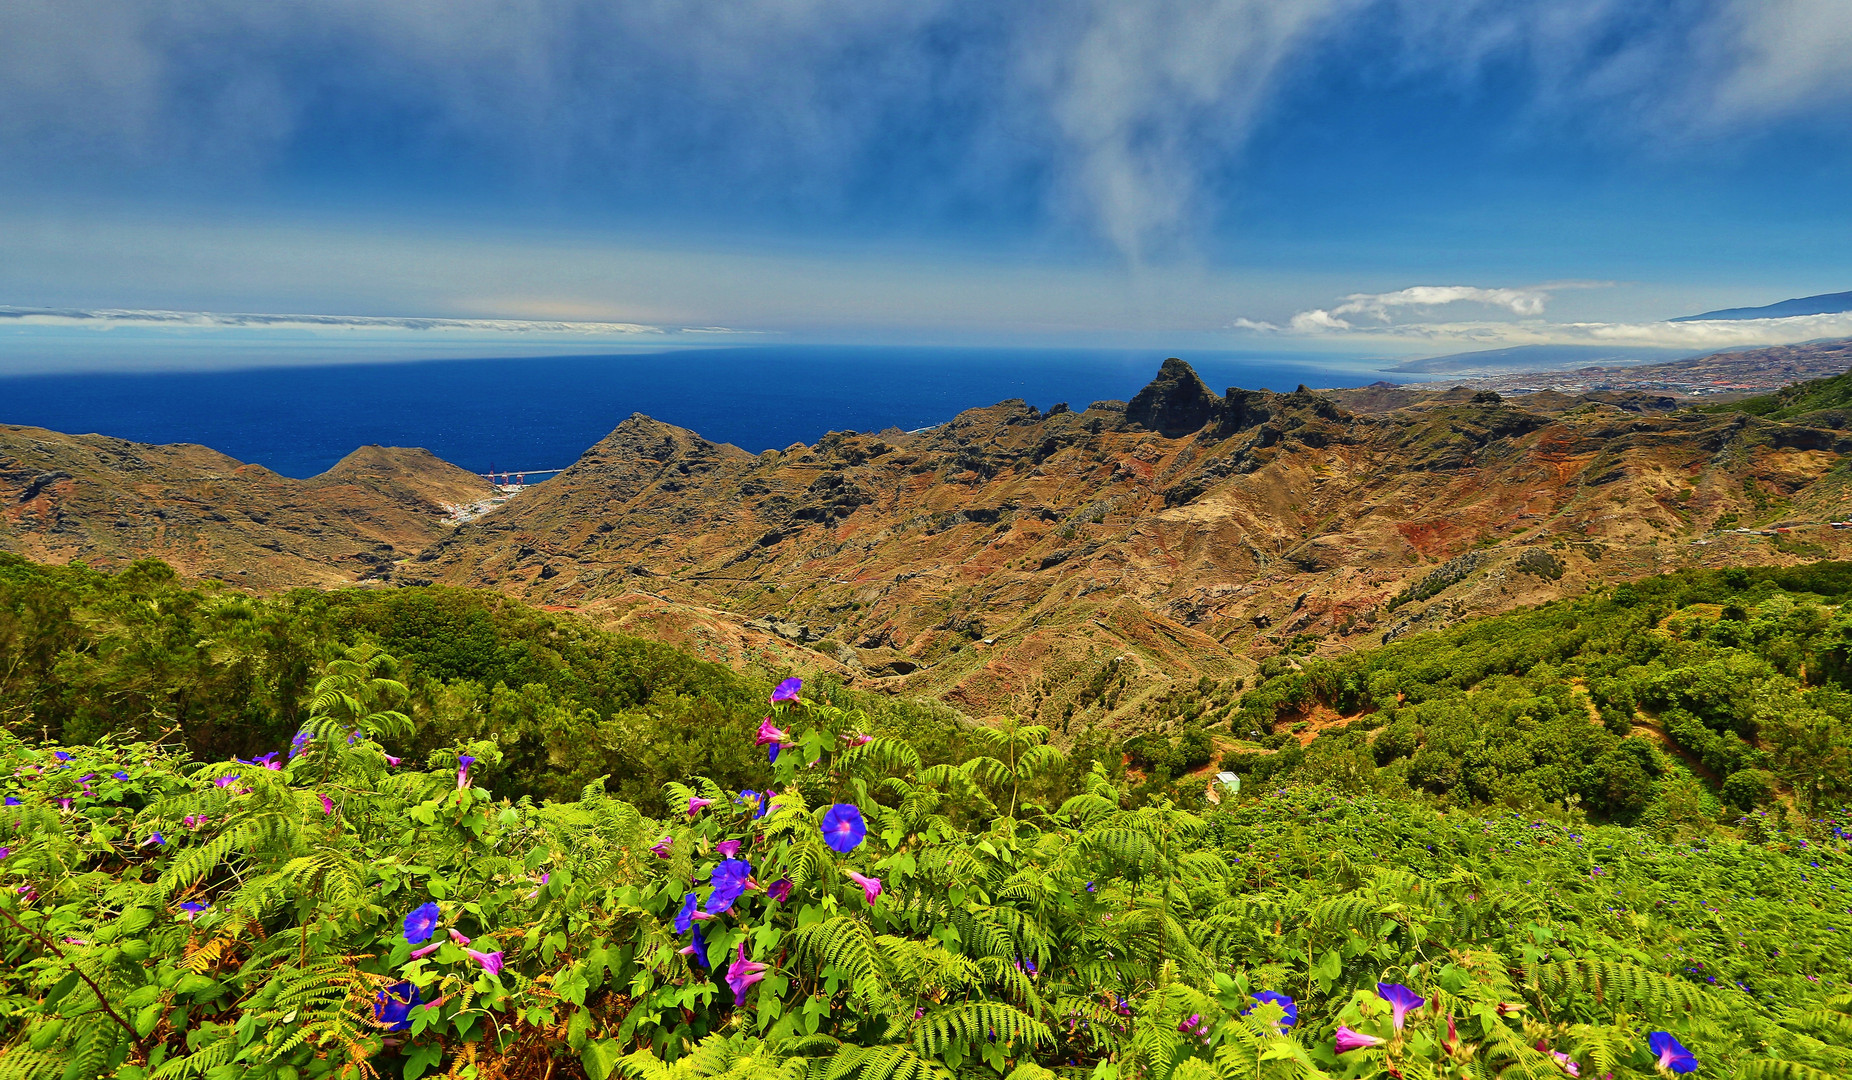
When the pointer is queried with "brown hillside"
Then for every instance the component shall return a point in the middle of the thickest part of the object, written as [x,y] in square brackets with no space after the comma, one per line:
[107,502]
[1008,555]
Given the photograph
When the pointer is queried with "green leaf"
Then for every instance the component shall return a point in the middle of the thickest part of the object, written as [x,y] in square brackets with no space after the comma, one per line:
[601,1057]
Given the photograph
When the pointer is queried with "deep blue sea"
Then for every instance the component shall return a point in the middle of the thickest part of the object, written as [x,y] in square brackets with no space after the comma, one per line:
[542,413]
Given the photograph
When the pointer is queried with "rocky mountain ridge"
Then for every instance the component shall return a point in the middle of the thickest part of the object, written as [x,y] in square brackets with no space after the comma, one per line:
[1012,558]
[108,501]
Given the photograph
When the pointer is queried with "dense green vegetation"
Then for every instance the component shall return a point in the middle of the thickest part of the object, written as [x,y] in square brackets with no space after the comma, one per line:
[1647,703]
[1815,395]
[142,654]
[432,831]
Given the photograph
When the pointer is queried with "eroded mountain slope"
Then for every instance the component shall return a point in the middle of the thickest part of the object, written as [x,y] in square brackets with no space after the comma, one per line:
[1009,556]
[108,501]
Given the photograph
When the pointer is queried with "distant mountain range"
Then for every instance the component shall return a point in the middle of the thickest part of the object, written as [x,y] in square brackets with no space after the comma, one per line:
[1824,304]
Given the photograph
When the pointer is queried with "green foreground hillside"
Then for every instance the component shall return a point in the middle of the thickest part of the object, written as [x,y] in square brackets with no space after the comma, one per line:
[429,832]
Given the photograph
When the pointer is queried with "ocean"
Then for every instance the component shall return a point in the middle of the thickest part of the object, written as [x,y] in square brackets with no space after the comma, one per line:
[534,414]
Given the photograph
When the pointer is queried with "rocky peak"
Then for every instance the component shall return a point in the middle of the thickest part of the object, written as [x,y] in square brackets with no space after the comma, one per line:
[1176,403]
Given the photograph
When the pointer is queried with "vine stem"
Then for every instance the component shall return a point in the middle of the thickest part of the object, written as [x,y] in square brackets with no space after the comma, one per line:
[101,1000]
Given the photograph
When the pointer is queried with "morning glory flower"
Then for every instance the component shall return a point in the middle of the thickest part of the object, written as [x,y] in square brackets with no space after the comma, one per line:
[1348,1040]
[393,1006]
[685,918]
[299,742]
[458,937]
[421,921]
[156,839]
[871,886]
[696,805]
[1284,1002]
[62,756]
[64,804]
[843,829]
[5,851]
[464,761]
[327,804]
[227,781]
[1401,999]
[491,961]
[727,849]
[269,761]
[769,733]
[393,761]
[11,801]
[120,775]
[857,740]
[742,973]
[696,949]
[86,778]
[1671,1053]
[748,796]
[194,909]
[194,821]
[787,690]
[661,848]
[771,752]
[780,890]
[730,878]
[1566,1063]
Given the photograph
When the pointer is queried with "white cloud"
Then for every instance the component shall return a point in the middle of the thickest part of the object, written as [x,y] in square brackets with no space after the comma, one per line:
[1379,305]
[109,318]
[1697,336]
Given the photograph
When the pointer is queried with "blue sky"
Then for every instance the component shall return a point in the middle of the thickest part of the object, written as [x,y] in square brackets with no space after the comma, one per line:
[1370,176]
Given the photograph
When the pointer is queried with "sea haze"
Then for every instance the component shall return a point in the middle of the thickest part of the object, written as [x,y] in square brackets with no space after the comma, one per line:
[543,413]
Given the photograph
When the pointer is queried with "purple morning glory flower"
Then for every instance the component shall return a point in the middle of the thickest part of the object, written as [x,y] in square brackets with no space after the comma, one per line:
[11,801]
[1401,999]
[769,733]
[843,829]
[156,839]
[696,949]
[393,1006]
[299,742]
[491,961]
[420,954]
[86,778]
[194,909]
[1348,1040]
[780,890]
[1091,887]
[5,851]
[661,847]
[464,761]
[392,761]
[120,775]
[1284,1002]
[787,690]
[696,805]
[60,755]
[742,973]
[730,878]
[1671,1053]
[227,781]
[421,922]
[771,752]
[727,849]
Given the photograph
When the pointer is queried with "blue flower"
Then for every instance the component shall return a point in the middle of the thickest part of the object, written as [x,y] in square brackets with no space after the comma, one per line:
[787,690]
[685,917]
[393,1006]
[1284,1002]
[843,829]
[422,920]
[730,879]
[696,949]
[1671,1053]
[120,775]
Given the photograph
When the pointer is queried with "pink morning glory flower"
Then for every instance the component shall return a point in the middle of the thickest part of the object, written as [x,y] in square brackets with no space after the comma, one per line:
[463,764]
[727,849]
[742,973]
[769,733]
[871,886]
[661,848]
[327,804]
[420,954]
[696,805]
[458,938]
[392,761]
[1349,1040]
[780,890]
